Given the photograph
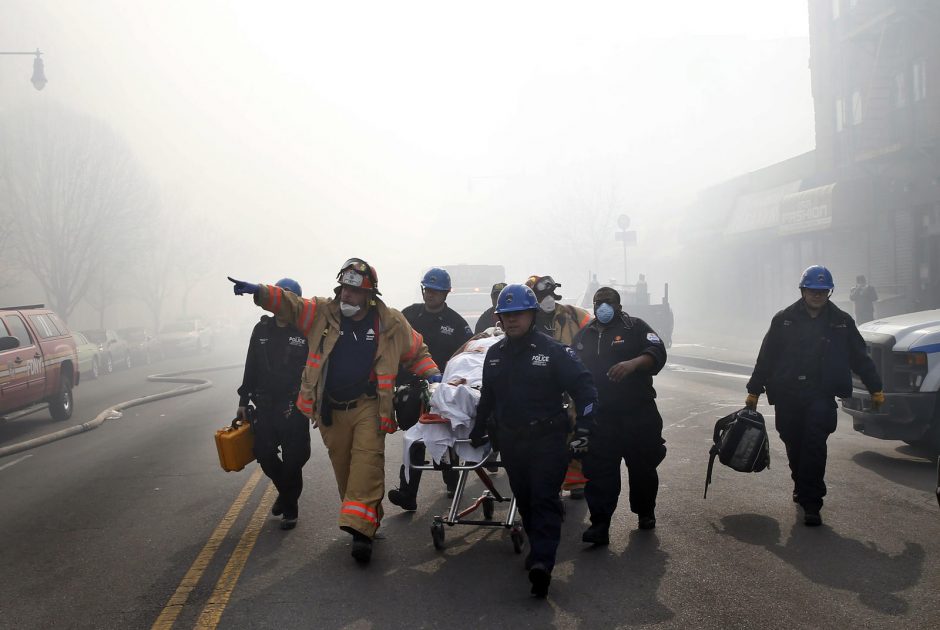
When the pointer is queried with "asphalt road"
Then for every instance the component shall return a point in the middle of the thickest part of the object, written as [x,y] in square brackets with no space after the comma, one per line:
[134,523]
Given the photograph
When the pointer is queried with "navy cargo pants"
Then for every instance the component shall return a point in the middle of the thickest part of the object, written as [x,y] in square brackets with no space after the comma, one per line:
[804,427]
[282,425]
[636,438]
[535,464]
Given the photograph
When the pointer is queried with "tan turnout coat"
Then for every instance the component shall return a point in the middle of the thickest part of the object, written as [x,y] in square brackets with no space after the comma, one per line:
[318,319]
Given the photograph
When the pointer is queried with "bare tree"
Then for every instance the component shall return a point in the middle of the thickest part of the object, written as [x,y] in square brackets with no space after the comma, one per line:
[70,190]
[584,219]
[155,261]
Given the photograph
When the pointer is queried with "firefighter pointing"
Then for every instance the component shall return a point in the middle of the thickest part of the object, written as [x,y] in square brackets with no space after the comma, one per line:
[356,346]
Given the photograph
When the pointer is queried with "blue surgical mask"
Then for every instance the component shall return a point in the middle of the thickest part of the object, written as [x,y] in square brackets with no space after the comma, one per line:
[605,313]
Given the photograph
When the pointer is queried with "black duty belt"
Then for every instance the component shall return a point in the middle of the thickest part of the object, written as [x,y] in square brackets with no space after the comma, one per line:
[348,404]
[538,427]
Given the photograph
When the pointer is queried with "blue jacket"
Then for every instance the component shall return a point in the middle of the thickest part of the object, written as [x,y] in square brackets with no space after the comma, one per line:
[524,379]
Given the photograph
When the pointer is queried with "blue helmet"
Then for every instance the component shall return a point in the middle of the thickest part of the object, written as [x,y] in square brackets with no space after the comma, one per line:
[516,297]
[289,284]
[437,279]
[816,277]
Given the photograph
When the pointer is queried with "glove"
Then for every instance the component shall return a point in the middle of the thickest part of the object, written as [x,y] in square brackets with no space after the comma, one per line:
[751,401]
[579,444]
[242,413]
[241,287]
[437,378]
[478,439]
[877,400]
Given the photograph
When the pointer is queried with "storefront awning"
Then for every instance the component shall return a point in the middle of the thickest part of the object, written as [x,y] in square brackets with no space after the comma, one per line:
[759,210]
[807,211]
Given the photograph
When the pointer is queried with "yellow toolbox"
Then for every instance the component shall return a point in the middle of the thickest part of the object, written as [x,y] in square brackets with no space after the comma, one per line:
[235,445]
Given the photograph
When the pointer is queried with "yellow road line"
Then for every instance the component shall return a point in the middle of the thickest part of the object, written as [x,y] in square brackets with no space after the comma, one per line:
[212,613]
[175,605]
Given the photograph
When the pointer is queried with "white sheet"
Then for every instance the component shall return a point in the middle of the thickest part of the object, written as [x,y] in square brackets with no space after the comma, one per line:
[454,399]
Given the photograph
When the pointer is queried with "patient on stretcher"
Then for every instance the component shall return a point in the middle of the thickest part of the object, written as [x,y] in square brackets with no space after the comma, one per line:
[453,405]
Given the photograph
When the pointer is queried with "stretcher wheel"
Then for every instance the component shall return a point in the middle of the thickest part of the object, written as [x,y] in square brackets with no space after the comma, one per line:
[437,534]
[518,538]
[488,508]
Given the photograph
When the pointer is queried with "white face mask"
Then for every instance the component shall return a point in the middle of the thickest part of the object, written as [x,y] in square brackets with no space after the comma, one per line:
[348,310]
[547,304]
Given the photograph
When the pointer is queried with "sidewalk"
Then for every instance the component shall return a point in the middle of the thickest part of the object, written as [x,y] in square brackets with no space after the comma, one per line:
[734,352]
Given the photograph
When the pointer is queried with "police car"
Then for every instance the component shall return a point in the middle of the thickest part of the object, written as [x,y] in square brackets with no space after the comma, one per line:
[906,350]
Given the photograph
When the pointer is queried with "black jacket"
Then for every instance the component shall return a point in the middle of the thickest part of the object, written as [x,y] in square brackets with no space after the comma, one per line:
[275,362]
[444,332]
[801,358]
[624,338]
[487,320]
[524,379]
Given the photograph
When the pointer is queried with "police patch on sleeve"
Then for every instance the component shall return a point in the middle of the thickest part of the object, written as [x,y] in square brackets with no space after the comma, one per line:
[653,338]
[571,352]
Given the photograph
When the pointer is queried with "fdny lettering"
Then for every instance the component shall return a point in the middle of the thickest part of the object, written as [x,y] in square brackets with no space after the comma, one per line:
[447,330]
[541,360]
[34,366]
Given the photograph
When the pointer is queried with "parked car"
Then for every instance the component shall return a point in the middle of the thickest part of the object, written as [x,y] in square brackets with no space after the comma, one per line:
[89,357]
[185,336]
[38,361]
[112,347]
[143,346]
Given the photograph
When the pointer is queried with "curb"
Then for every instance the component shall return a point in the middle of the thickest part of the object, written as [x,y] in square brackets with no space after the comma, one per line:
[191,385]
[711,364]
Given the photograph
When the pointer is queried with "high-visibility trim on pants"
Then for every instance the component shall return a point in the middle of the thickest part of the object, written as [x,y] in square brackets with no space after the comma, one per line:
[361,510]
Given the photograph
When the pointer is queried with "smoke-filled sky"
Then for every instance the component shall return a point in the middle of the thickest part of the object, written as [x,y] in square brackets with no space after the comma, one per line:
[421,133]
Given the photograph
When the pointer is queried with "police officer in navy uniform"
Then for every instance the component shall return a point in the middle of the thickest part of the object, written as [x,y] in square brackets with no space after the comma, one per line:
[805,361]
[623,354]
[444,331]
[521,409]
[277,353]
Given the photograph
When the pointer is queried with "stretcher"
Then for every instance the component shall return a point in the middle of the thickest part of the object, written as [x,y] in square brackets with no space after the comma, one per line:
[445,430]
[486,502]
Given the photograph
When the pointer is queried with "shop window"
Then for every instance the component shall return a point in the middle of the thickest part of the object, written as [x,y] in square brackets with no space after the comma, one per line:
[920,80]
[856,108]
[900,89]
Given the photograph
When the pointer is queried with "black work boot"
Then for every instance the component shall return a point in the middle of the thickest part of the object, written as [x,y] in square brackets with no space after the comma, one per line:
[647,521]
[288,522]
[277,509]
[596,535]
[540,577]
[403,499]
[811,517]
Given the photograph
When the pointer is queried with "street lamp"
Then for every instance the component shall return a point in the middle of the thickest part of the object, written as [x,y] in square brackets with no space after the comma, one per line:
[39,72]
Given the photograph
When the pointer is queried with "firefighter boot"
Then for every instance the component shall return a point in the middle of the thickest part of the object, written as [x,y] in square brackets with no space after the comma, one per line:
[361,547]
[540,577]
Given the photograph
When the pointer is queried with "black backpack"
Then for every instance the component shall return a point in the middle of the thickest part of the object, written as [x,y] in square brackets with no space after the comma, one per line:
[409,402]
[740,443]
